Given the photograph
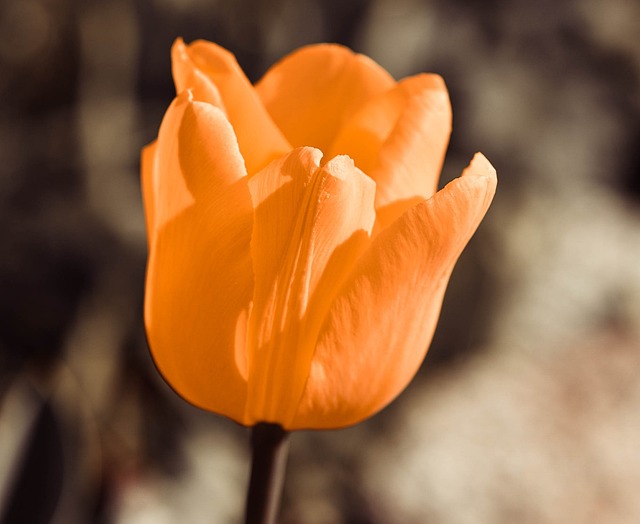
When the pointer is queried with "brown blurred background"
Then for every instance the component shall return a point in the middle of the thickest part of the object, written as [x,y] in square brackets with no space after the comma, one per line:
[527,409]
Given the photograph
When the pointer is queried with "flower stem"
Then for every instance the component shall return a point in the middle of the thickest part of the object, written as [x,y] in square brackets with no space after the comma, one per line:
[270,445]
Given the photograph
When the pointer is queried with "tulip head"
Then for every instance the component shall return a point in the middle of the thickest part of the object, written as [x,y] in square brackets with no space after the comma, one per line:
[298,249]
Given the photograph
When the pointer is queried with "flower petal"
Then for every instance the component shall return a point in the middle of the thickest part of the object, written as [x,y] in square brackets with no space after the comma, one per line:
[311,224]
[187,76]
[165,191]
[199,276]
[147,179]
[378,329]
[215,77]
[313,90]
[399,139]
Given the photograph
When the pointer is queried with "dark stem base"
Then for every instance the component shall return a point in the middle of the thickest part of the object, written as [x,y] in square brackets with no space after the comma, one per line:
[270,445]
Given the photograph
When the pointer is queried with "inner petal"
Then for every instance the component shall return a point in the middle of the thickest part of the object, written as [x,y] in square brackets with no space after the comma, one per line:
[311,224]
[399,139]
[321,84]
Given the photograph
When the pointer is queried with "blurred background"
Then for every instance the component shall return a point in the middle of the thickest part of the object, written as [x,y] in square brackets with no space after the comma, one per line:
[527,408]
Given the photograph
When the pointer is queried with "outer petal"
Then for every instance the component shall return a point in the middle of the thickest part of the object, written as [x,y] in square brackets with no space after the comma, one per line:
[311,224]
[199,276]
[377,331]
[399,139]
[312,91]
[164,188]
[147,170]
[215,77]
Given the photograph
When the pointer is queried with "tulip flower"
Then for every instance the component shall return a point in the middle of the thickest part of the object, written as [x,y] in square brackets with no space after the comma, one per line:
[299,250]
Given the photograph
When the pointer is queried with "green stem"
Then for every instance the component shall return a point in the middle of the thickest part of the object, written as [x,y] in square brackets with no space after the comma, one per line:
[270,445]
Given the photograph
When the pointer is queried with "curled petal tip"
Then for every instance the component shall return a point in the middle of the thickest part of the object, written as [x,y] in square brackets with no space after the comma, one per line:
[339,162]
[480,166]
[482,171]
[435,82]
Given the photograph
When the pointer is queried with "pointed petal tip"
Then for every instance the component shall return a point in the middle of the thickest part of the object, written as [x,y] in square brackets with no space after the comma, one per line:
[432,80]
[337,165]
[483,172]
[343,166]
[480,166]
[437,80]
[316,155]
[178,43]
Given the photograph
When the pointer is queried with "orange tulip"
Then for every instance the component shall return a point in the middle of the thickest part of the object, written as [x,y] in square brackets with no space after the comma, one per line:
[298,249]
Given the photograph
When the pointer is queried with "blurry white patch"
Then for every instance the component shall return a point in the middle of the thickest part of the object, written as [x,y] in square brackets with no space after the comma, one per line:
[211,490]
[512,438]
[570,268]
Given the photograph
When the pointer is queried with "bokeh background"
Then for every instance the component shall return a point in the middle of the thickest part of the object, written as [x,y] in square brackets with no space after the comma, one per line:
[527,408]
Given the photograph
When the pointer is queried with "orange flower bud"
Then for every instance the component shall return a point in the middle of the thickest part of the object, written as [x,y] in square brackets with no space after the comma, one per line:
[298,249]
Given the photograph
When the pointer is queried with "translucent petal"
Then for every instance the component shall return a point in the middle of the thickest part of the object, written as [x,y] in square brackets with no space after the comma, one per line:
[311,224]
[378,329]
[215,77]
[312,91]
[399,139]
[187,76]
[147,178]
[199,275]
